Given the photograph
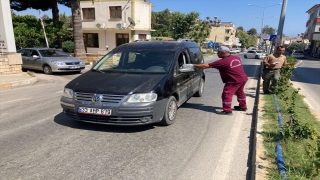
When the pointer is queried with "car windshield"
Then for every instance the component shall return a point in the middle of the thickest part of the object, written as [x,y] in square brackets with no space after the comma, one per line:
[301,52]
[52,53]
[136,61]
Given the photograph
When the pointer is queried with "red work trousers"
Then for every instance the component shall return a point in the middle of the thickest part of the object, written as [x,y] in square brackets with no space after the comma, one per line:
[228,91]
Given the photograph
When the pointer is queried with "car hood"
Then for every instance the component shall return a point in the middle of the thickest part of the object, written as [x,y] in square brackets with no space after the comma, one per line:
[115,83]
[62,58]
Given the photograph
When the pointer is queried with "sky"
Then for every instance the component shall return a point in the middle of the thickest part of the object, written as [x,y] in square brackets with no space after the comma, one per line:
[236,11]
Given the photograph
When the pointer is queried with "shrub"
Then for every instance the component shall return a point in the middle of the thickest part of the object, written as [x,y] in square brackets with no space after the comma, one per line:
[68,46]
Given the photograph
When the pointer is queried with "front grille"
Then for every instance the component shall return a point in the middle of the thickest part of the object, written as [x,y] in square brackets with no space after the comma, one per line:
[106,98]
[72,63]
[109,119]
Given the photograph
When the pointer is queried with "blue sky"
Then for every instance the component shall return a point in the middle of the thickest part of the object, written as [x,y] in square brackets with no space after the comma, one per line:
[235,11]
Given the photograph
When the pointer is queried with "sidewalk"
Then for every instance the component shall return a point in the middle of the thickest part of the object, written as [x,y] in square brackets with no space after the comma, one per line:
[10,81]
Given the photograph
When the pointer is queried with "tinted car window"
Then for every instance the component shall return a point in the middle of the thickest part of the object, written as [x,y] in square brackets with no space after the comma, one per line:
[136,61]
[24,52]
[301,52]
[259,51]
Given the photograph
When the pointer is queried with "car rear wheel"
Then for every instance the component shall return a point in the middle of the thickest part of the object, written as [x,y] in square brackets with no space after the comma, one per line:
[47,69]
[245,56]
[201,88]
[170,112]
[257,57]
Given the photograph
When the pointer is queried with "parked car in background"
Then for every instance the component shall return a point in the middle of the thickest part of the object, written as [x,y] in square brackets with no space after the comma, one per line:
[298,54]
[136,83]
[255,54]
[233,51]
[238,50]
[50,60]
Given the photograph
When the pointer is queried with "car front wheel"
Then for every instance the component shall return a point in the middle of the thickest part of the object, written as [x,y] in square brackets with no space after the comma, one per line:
[47,69]
[201,88]
[170,112]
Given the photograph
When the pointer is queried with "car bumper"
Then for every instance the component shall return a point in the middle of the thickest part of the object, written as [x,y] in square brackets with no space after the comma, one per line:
[126,114]
[67,68]
[262,57]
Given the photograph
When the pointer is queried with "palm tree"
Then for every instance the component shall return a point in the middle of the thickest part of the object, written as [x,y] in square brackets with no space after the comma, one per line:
[79,50]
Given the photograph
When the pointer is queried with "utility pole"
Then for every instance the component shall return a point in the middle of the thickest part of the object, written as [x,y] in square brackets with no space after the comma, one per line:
[281,23]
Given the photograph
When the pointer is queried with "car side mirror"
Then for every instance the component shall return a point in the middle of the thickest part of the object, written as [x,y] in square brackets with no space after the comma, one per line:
[35,56]
[94,63]
[186,68]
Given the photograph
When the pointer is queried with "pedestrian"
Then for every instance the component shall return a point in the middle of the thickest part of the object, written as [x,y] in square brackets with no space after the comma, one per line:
[271,72]
[234,77]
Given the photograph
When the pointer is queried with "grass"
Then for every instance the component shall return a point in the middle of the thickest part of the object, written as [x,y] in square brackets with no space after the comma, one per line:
[31,74]
[298,154]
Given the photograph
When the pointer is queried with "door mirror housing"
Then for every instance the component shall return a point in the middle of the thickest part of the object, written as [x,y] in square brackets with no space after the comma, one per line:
[187,68]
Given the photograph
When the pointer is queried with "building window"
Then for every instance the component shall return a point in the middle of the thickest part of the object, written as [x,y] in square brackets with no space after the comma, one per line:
[91,40]
[142,37]
[88,14]
[227,31]
[115,12]
[122,39]
[226,39]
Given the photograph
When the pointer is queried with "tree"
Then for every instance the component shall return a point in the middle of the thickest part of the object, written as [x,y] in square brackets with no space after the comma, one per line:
[201,31]
[79,50]
[182,24]
[252,31]
[268,30]
[162,22]
[240,28]
[245,39]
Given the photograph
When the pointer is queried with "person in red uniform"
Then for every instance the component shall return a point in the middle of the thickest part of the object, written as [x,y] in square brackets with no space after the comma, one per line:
[234,77]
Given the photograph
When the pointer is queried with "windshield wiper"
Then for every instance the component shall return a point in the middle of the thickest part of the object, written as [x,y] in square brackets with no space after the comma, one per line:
[97,70]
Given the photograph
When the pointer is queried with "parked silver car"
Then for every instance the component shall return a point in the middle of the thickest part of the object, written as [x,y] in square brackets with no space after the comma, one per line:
[298,54]
[50,60]
[255,54]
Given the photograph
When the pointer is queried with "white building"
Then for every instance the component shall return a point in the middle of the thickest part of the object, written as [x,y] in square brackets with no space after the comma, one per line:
[106,23]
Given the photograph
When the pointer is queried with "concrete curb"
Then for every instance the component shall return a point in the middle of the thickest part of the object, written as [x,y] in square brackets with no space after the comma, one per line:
[15,84]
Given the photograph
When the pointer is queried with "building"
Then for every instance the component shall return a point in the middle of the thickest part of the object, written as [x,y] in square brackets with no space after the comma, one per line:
[225,34]
[109,23]
[312,32]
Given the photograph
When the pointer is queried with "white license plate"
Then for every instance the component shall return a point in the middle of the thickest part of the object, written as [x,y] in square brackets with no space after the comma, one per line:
[95,111]
[74,67]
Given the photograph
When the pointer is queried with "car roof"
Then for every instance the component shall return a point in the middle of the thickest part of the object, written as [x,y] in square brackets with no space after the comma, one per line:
[40,48]
[172,45]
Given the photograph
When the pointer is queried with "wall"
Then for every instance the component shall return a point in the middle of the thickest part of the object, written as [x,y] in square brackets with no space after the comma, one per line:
[10,63]
[6,29]
[220,32]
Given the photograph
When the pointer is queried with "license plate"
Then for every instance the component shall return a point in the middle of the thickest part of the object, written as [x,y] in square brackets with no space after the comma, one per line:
[95,111]
[74,67]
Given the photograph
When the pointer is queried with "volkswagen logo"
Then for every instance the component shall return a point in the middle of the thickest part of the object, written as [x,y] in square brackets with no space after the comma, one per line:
[96,98]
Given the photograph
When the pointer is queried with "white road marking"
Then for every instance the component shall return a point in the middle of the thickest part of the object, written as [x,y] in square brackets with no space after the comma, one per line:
[14,100]
[227,156]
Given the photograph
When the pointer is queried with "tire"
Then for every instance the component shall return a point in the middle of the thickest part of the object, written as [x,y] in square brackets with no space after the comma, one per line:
[245,56]
[199,93]
[170,112]
[78,72]
[47,69]
[257,57]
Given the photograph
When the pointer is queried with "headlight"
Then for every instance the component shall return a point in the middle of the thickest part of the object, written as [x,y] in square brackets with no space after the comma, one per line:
[146,97]
[68,93]
[58,62]
[81,62]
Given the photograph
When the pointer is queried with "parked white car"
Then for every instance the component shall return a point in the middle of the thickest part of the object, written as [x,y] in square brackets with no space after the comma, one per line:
[298,54]
[255,54]
[233,51]
[238,50]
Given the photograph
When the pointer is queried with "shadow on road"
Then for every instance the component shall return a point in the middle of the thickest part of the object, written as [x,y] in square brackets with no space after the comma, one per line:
[63,120]
[200,107]
[303,74]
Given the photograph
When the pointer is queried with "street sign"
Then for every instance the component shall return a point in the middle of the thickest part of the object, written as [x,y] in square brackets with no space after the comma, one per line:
[273,37]
[210,44]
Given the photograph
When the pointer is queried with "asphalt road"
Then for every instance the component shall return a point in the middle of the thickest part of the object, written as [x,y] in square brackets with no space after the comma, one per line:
[37,141]
[307,77]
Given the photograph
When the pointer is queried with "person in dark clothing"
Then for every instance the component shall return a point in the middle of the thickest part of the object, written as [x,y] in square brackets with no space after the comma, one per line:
[234,77]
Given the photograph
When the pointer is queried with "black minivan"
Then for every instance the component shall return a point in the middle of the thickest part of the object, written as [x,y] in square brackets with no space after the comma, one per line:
[136,83]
